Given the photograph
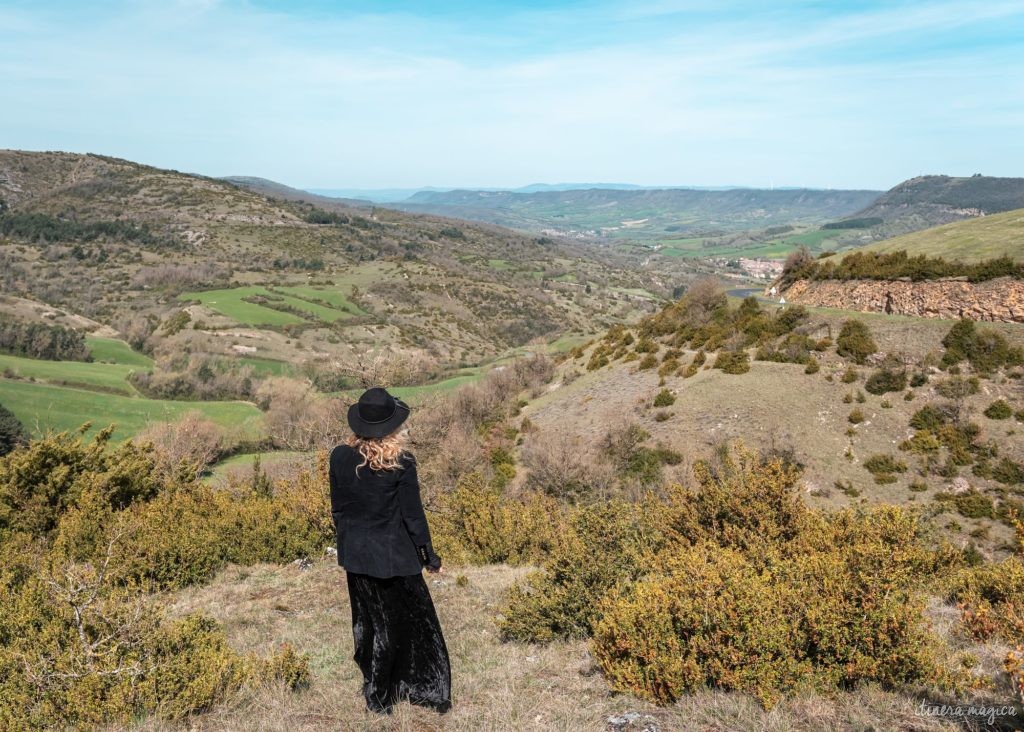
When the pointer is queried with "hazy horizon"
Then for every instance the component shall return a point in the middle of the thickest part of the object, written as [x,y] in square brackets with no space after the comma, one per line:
[402,94]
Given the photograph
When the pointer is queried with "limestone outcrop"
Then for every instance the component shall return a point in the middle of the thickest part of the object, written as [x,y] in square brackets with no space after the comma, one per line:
[999,300]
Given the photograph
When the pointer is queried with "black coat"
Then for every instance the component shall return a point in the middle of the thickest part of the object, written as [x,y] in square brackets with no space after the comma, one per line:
[379,522]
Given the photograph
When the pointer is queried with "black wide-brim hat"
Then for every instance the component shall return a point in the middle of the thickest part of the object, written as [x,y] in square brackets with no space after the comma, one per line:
[377,413]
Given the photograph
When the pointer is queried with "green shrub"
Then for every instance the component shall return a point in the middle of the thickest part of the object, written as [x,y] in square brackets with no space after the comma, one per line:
[958,387]
[856,416]
[850,375]
[733,362]
[855,341]
[884,468]
[665,398]
[646,345]
[480,524]
[813,366]
[999,409]
[603,545]
[973,504]
[648,362]
[884,381]
[986,350]
[12,432]
[40,482]
[1008,472]
[929,417]
[843,608]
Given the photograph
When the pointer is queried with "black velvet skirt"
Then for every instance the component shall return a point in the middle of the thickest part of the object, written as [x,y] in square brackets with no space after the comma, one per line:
[398,642]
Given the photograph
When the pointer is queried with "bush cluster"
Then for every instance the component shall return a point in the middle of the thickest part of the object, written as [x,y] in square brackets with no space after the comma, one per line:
[886,380]
[855,341]
[899,265]
[88,531]
[985,349]
[737,585]
[42,340]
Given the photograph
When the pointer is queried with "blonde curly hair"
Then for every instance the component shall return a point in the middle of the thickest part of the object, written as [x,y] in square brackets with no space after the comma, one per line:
[380,453]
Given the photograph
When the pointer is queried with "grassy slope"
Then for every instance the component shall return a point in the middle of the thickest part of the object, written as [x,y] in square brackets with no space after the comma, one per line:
[495,685]
[42,406]
[229,302]
[106,376]
[778,405]
[971,241]
[112,350]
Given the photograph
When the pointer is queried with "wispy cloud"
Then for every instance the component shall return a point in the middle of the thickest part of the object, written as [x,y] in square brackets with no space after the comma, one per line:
[660,92]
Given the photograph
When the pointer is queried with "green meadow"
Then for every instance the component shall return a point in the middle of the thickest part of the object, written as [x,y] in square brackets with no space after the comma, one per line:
[105,376]
[267,366]
[45,406]
[243,463]
[112,350]
[229,302]
[333,296]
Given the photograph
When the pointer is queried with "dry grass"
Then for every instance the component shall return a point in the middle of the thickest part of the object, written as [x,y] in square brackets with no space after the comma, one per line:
[496,686]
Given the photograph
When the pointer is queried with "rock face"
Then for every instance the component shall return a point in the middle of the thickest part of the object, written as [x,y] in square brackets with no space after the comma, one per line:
[1000,300]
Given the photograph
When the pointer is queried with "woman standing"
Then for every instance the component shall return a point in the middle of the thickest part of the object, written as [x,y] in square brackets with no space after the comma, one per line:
[384,544]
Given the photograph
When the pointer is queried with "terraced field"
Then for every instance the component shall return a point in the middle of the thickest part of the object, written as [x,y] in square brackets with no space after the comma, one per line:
[232,303]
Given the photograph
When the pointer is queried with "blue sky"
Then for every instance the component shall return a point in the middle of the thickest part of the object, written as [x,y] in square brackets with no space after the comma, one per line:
[409,93]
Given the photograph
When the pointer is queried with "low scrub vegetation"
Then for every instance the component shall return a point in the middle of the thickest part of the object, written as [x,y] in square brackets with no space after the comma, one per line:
[41,340]
[87,532]
[898,265]
[738,585]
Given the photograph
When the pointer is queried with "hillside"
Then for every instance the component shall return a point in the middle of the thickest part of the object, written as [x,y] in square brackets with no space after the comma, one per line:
[267,280]
[780,404]
[647,215]
[933,200]
[973,240]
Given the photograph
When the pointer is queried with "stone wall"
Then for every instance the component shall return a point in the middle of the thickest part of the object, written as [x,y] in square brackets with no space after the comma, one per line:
[994,300]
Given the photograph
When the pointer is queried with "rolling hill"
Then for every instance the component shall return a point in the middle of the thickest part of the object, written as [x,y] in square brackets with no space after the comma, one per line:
[122,243]
[254,279]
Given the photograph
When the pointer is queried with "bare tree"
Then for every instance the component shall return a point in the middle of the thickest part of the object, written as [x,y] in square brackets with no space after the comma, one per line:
[190,444]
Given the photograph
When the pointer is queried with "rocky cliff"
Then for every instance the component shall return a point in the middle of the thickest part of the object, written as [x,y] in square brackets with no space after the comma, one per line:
[995,300]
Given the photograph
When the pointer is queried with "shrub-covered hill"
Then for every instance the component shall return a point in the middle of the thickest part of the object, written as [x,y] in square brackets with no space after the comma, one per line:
[138,598]
[842,394]
[933,200]
[133,247]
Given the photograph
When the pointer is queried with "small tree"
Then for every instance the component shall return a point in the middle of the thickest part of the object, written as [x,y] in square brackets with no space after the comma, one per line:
[855,341]
[12,432]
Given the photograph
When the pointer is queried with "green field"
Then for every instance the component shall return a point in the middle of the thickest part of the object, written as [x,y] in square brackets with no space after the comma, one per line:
[267,366]
[43,406]
[106,376]
[112,350]
[229,302]
[330,295]
[972,240]
[243,463]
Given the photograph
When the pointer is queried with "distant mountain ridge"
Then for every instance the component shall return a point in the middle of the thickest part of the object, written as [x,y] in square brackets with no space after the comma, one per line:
[403,195]
[646,213]
[933,200]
